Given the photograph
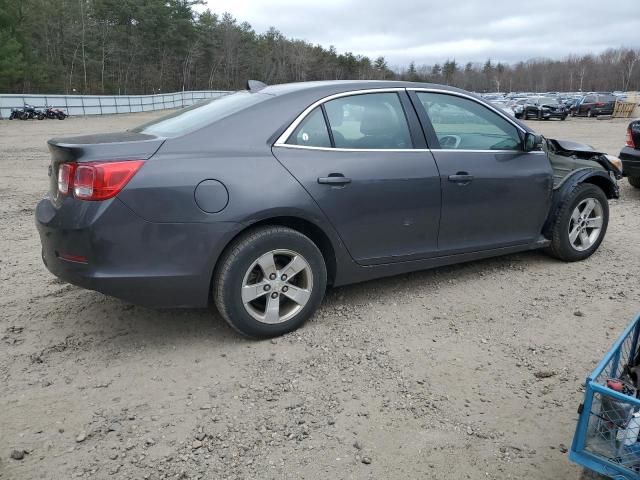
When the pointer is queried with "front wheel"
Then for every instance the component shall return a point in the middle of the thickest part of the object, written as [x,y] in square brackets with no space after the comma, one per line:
[580,225]
[269,281]
[634,181]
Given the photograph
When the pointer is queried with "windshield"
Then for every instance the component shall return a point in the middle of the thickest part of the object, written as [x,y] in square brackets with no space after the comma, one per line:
[547,101]
[201,114]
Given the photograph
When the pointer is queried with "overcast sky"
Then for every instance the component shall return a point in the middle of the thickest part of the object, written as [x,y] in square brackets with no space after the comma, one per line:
[428,32]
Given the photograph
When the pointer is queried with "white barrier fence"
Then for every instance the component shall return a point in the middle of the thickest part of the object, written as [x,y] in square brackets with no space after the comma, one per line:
[105,104]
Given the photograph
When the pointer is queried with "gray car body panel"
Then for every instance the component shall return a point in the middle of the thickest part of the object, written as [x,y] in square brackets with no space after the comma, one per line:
[153,244]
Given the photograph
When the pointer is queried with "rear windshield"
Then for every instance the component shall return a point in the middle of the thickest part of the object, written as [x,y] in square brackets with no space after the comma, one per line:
[201,114]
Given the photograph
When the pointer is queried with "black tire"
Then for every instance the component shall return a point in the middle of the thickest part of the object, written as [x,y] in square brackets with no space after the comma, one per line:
[634,181]
[237,260]
[564,117]
[40,116]
[61,116]
[24,116]
[561,247]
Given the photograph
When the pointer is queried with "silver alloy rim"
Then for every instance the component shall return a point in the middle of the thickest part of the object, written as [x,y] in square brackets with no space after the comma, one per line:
[585,225]
[277,286]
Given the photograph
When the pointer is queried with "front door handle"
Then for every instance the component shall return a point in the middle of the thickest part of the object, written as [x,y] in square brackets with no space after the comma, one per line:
[334,179]
[462,178]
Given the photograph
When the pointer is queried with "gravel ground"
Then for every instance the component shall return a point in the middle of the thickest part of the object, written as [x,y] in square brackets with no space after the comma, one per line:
[471,371]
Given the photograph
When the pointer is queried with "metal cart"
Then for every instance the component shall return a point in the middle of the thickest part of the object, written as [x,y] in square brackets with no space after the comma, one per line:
[605,441]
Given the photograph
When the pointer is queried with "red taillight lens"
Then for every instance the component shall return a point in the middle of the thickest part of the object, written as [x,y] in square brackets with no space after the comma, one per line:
[103,180]
[73,258]
[630,142]
[65,177]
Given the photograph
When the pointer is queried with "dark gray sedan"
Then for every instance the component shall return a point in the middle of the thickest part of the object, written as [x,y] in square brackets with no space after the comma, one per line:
[258,200]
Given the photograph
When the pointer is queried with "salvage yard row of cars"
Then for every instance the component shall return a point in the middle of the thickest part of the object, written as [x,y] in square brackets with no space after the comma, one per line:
[556,105]
[259,200]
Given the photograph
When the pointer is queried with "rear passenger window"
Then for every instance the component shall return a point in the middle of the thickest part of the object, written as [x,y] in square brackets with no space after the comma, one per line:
[368,121]
[312,131]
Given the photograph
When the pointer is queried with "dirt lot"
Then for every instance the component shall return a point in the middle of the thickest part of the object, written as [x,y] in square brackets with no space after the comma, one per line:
[427,375]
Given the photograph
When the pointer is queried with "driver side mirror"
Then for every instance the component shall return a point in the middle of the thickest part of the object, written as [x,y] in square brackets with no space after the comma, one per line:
[531,142]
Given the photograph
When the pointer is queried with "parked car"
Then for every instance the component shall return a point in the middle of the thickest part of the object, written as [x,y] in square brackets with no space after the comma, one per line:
[503,105]
[572,104]
[594,104]
[260,199]
[543,108]
[517,105]
[630,154]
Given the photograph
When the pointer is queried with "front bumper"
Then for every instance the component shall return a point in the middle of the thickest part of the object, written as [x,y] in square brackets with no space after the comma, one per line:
[630,161]
[552,114]
[151,264]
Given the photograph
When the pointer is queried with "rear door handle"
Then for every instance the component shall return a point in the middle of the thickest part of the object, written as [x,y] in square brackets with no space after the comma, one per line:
[462,178]
[334,179]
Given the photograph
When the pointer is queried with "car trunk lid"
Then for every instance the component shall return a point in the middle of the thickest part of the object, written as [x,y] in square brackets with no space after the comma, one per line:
[119,146]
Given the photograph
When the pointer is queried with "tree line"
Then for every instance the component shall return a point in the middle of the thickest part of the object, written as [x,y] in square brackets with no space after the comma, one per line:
[150,46]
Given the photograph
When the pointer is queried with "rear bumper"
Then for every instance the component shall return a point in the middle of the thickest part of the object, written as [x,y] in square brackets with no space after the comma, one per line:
[602,111]
[630,161]
[151,264]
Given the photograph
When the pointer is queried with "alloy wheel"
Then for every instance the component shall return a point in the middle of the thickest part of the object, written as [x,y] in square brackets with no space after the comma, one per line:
[585,225]
[277,286]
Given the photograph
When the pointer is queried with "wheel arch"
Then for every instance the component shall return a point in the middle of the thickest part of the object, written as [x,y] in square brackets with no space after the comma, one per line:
[592,176]
[303,225]
[605,183]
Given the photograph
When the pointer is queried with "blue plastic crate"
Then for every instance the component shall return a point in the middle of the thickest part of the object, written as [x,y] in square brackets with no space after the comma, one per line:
[605,413]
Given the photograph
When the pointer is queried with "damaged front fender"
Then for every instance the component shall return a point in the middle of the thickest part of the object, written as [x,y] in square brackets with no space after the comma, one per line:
[580,152]
[591,175]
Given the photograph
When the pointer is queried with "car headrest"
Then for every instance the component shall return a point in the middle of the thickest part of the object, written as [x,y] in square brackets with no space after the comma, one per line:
[376,120]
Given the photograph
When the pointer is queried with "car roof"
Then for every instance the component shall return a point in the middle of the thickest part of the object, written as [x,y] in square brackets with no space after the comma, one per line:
[336,86]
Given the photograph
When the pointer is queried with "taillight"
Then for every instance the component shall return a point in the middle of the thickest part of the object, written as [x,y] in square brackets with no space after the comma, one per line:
[103,180]
[630,142]
[600,104]
[65,177]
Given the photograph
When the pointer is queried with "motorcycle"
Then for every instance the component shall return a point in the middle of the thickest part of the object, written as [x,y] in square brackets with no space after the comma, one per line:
[31,112]
[51,112]
[16,114]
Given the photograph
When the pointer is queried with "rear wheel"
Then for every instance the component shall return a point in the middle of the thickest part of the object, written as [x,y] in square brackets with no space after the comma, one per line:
[61,116]
[269,281]
[580,225]
[634,181]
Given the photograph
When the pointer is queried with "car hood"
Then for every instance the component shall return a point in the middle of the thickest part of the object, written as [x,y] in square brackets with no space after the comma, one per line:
[570,147]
